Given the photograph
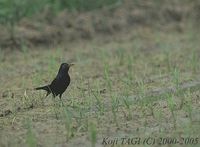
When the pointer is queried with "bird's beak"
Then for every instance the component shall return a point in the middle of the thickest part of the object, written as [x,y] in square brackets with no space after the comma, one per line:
[71,64]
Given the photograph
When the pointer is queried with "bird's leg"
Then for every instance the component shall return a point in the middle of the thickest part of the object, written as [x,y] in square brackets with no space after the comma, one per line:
[54,106]
[54,95]
[60,96]
[48,93]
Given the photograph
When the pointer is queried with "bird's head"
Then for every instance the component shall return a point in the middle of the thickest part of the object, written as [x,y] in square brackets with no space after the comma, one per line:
[64,67]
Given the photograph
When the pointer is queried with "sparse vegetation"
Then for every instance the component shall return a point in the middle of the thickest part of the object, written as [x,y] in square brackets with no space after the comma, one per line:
[133,84]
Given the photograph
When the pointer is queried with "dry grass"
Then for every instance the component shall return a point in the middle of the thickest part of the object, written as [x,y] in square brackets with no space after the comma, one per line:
[99,101]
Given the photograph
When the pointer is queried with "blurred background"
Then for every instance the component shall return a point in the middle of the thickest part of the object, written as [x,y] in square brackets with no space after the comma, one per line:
[50,22]
[136,71]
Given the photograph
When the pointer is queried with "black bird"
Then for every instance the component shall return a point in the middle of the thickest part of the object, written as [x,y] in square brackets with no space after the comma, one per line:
[60,83]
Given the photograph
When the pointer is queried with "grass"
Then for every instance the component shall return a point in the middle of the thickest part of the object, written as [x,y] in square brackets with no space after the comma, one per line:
[92,134]
[108,94]
[31,139]
[13,11]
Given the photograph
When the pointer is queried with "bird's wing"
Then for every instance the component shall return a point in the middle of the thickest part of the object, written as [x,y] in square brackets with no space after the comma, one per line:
[55,82]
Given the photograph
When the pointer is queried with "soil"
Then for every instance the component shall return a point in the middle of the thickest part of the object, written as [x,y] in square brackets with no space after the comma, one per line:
[141,43]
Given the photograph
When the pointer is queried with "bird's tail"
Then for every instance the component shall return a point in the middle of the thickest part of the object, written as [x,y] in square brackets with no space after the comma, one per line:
[46,88]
